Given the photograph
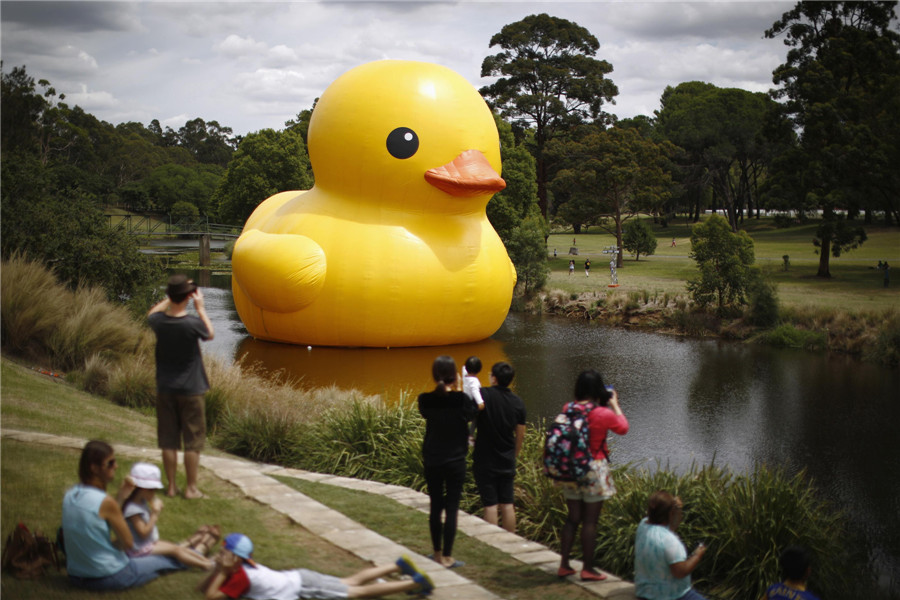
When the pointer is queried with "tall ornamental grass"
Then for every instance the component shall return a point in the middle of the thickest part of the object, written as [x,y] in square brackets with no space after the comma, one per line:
[32,304]
[44,320]
[746,519]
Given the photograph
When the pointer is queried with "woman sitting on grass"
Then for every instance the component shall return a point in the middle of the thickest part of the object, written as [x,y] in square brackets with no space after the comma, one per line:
[141,511]
[93,560]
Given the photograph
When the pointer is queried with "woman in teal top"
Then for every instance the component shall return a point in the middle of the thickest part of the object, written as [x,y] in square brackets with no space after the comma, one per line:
[93,560]
[662,568]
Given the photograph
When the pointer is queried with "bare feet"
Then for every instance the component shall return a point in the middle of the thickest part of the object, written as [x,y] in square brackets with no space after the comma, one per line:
[193,494]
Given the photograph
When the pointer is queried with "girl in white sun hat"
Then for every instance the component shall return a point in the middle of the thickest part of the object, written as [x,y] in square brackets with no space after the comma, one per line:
[141,510]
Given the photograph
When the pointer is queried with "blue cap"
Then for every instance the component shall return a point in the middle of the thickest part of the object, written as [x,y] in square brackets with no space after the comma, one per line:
[239,545]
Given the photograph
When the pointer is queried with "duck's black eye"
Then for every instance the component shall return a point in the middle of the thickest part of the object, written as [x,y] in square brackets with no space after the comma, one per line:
[402,142]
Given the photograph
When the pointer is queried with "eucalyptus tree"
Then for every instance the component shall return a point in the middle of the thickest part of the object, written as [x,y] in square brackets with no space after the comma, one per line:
[840,86]
[724,262]
[266,162]
[514,212]
[611,176]
[548,80]
[722,133]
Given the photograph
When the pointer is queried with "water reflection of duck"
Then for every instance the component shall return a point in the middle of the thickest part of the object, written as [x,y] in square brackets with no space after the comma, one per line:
[386,372]
[391,247]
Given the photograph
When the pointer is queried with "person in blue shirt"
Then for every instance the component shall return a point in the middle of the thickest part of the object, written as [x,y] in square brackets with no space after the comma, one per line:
[662,567]
[795,571]
[94,561]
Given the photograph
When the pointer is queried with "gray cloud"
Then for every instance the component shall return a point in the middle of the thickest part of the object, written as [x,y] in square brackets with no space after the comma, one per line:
[74,16]
[253,65]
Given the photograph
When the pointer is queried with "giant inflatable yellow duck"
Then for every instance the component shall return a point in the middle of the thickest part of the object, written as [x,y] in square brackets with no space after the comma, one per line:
[391,246]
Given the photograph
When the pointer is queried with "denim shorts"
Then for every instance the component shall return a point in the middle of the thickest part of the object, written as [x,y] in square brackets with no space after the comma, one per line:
[137,572]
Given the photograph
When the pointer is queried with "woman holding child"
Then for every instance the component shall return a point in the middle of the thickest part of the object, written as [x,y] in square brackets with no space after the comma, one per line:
[447,412]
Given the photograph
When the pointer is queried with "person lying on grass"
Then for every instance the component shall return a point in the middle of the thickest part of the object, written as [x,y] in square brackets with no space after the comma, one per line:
[237,575]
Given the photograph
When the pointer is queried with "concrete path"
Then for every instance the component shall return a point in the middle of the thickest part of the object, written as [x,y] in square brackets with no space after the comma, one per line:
[254,480]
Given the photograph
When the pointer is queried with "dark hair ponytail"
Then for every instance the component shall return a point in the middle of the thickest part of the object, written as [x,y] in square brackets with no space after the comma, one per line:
[444,372]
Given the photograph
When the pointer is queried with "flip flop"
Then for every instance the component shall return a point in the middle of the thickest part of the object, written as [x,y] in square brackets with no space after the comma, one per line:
[589,576]
[426,585]
[407,566]
[456,564]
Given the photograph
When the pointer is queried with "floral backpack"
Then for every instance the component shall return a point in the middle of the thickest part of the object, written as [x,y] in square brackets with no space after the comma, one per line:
[567,453]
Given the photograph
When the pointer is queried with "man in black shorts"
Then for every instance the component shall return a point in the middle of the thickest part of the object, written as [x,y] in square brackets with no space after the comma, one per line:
[180,379]
[501,431]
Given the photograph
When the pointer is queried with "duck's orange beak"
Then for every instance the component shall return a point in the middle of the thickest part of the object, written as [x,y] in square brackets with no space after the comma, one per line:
[469,174]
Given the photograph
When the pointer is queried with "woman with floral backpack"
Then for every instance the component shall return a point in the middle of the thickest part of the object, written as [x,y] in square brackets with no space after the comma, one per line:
[584,497]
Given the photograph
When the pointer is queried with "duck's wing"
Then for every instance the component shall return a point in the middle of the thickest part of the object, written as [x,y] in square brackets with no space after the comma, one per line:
[279,272]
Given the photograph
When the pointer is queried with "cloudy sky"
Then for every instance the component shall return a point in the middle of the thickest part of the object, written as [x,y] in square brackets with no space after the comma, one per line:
[252,65]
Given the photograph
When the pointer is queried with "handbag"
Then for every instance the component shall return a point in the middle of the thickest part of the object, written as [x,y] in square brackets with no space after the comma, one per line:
[27,554]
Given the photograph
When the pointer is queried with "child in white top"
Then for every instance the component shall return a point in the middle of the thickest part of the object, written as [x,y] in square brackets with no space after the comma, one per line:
[471,384]
[141,511]
[472,388]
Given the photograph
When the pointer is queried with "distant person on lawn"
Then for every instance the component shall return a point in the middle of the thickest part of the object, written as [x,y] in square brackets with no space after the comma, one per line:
[180,379]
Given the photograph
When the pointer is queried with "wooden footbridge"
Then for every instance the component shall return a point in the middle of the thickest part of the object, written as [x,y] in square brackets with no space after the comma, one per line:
[163,225]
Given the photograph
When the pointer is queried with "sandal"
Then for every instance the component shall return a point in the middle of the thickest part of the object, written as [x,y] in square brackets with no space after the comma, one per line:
[208,540]
[196,537]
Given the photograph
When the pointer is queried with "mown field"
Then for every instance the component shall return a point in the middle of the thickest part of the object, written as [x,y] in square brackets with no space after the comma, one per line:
[856,283]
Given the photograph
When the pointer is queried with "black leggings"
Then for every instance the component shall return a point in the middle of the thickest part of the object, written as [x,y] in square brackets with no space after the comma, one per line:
[452,475]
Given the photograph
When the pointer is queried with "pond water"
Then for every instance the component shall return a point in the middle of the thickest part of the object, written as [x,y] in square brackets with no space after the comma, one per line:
[688,401]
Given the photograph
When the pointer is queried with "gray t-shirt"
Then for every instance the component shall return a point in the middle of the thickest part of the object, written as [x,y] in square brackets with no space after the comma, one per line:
[179,364]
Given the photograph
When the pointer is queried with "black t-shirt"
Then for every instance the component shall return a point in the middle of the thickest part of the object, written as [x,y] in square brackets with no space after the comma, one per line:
[179,364]
[446,426]
[495,446]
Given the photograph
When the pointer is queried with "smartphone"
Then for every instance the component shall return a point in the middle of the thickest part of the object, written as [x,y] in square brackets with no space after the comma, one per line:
[610,388]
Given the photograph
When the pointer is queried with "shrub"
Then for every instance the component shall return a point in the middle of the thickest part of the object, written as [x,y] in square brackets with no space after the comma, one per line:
[763,297]
[886,348]
[95,377]
[132,383]
[697,322]
[788,336]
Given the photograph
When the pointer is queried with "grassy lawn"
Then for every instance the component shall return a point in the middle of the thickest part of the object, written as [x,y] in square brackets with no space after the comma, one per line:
[855,283]
[35,478]
[496,572]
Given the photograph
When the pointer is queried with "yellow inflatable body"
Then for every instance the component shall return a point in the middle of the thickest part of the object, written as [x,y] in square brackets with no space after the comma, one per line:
[391,246]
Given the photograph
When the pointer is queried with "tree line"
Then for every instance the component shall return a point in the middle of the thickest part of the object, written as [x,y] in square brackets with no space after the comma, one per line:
[823,143]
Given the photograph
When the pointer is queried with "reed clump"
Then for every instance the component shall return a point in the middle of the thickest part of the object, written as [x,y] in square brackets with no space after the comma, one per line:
[46,321]
[746,519]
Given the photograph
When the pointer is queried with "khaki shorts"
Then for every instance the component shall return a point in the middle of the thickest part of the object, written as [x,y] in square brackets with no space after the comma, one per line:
[180,417]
